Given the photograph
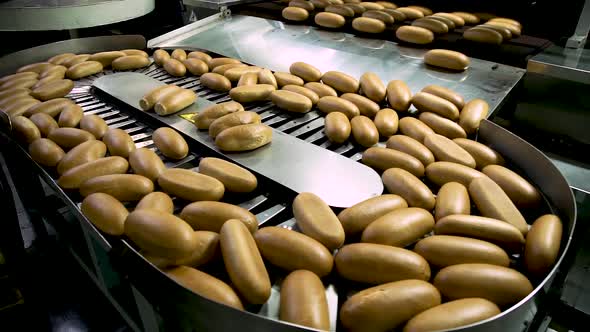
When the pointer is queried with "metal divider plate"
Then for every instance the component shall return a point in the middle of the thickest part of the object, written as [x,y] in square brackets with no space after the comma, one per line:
[299,166]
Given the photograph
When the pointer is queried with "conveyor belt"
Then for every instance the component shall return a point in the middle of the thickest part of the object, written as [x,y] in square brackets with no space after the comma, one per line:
[268,208]
[275,45]
[514,52]
[271,203]
[308,127]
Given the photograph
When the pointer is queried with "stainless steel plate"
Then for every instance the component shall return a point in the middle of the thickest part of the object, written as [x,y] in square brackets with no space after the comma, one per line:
[276,45]
[296,164]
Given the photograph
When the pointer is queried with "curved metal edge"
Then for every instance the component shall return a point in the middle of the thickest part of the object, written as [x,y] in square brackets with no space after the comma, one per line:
[184,309]
[545,175]
[11,62]
[182,303]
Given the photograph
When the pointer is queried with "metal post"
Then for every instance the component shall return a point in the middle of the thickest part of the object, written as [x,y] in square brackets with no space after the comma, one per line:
[581,34]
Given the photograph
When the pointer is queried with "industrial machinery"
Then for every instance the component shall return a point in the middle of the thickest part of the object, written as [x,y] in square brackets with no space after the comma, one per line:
[253,33]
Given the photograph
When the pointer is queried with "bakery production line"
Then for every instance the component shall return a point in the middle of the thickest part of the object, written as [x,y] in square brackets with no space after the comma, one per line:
[301,158]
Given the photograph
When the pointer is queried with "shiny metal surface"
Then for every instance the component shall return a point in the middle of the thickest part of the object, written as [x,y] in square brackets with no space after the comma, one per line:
[35,15]
[184,310]
[576,290]
[552,111]
[11,62]
[563,63]
[293,163]
[276,45]
[543,173]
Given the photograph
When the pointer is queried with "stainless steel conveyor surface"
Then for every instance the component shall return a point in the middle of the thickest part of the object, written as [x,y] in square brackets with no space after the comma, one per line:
[277,45]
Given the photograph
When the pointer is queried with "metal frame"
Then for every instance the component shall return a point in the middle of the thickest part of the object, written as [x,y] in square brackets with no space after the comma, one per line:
[562,63]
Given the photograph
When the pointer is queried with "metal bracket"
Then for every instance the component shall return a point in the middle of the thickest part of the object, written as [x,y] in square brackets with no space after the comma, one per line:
[225,12]
[192,17]
[581,34]
[180,33]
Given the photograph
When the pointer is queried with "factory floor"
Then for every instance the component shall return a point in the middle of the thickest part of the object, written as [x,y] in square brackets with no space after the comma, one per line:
[42,288]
